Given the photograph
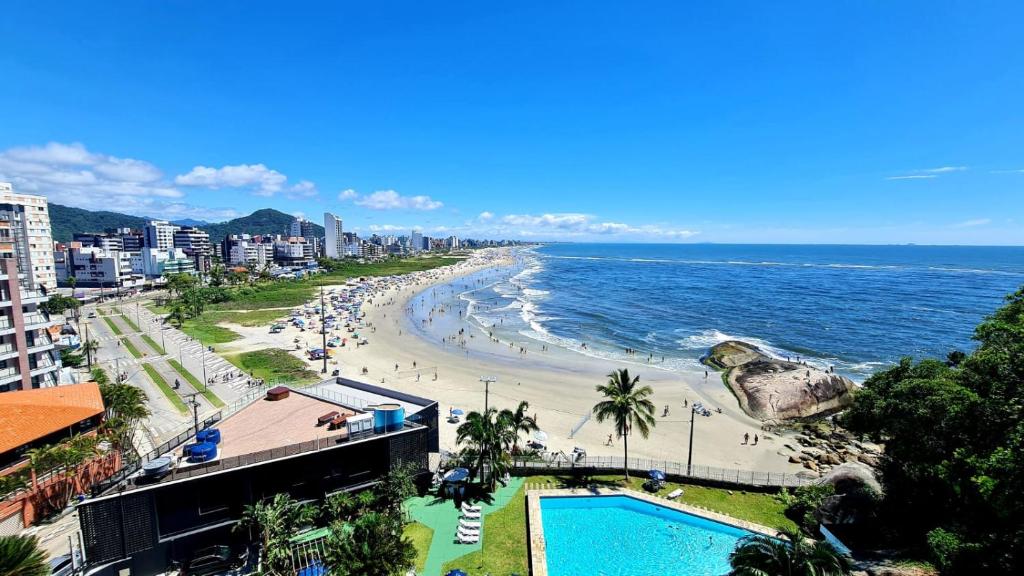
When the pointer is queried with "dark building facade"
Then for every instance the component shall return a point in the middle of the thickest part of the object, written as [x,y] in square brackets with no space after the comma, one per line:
[148,528]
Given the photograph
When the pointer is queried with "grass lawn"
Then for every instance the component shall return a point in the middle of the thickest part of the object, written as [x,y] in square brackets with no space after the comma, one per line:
[208,394]
[132,325]
[504,548]
[152,344]
[273,365]
[290,293]
[208,332]
[165,388]
[155,309]
[131,348]
[250,318]
[421,536]
[504,543]
[113,327]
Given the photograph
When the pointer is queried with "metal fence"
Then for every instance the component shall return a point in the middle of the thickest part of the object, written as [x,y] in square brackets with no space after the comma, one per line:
[674,470]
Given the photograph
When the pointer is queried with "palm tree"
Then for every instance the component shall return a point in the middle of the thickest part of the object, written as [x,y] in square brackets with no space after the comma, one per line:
[89,347]
[372,545]
[21,556]
[276,522]
[518,422]
[627,406]
[486,436]
[788,555]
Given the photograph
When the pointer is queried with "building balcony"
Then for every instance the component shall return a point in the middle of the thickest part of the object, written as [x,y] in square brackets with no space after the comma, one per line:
[9,374]
[38,320]
[33,297]
[50,367]
[40,345]
[8,351]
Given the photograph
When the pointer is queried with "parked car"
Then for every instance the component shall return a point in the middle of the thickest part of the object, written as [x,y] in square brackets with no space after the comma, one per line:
[62,565]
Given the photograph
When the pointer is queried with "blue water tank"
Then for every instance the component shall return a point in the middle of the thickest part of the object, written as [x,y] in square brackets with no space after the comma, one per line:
[202,452]
[388,418]
[211,435]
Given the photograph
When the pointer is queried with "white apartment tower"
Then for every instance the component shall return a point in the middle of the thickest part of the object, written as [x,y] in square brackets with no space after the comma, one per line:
[159,234]
[25,236]
[335,239]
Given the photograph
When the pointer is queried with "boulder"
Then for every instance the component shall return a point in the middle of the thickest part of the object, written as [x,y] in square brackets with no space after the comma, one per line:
[774,390]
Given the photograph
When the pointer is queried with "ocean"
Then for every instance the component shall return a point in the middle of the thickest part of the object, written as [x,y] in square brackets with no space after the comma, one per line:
[857,308]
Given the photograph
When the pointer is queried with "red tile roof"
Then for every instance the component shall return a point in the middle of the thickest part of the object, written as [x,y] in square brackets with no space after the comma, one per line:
[28,415]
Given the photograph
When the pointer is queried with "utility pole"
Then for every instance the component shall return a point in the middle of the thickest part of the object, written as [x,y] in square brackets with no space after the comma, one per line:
[205,381]
[689,457]
[487,389]
[195,409]
[137,321]
[323,327]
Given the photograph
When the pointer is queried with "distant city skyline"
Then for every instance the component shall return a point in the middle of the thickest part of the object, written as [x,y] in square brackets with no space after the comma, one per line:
[732,122]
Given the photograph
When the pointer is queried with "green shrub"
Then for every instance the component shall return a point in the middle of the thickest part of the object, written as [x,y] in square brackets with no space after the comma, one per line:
[804,502]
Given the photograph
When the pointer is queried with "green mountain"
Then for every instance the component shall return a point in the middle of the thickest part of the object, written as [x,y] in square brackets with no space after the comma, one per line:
[265,221]
[65,221]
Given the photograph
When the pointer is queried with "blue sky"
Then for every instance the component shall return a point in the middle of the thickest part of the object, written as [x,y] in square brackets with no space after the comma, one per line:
[849,122]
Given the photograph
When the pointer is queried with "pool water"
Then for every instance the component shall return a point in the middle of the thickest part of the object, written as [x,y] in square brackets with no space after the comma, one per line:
[624,536]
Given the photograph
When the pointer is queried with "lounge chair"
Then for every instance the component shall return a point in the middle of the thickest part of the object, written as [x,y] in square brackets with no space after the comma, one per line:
[674,494]
[469,529]
[470,533]
[467,539]
[470,525]
[471,515]
[468,508]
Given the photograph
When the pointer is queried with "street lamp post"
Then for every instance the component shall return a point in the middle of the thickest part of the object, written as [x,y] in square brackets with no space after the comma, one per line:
[487,389]
[323,328]
[689,457]
[205,380]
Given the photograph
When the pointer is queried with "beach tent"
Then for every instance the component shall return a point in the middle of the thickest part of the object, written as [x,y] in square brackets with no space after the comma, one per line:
[456,572]
[456,475]
[656,475]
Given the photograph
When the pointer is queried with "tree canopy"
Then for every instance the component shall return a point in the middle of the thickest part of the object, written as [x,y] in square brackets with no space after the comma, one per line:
[954,438]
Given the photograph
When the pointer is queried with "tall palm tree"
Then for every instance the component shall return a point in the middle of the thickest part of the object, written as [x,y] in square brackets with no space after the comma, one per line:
[788,555]
[90,347]
[626,404]
[486,436]
[21,556]
[518,422]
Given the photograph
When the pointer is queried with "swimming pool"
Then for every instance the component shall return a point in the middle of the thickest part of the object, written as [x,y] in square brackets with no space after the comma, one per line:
[626,536]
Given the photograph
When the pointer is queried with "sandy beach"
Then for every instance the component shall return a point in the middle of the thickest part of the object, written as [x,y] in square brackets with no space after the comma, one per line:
[558,383]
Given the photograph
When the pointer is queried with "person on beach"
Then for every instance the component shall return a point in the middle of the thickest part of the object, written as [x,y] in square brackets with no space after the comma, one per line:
[755,439]
[609,442]
[746,438]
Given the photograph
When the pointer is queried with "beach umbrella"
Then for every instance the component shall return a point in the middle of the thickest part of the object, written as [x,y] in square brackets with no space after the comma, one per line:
[457,412]
[540,436]
[456,572]
[656,475]
[456,475]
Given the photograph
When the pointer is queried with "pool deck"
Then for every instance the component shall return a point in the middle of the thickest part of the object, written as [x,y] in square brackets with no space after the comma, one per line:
[538,546]
[443,517]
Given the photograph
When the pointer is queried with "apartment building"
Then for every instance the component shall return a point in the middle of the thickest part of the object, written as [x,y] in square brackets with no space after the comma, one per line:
[28,358]
[334,243]
[92,266]
[25,236]
[159,234]
[196,245]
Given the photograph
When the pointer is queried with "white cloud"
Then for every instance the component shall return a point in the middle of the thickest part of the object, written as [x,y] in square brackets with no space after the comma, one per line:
[347,194]
[387,228]
[578,225]
[973,222]
[304,189]
[486,216]
[264,181]
[72,175]
[928,173]
[391,200]
[1015,171]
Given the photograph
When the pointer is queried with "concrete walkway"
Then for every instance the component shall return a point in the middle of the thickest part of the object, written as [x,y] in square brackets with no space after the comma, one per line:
[443,517]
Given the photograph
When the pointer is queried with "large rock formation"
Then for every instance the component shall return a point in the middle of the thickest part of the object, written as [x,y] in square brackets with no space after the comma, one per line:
[774,390]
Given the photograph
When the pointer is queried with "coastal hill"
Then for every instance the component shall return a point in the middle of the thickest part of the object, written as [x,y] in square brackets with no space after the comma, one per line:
[66,220]
[774,390]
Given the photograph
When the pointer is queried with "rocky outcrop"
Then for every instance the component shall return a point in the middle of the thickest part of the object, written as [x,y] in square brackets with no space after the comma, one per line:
[776,391]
